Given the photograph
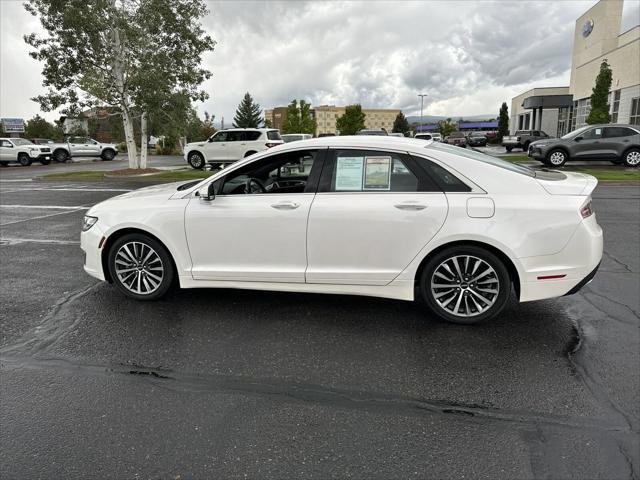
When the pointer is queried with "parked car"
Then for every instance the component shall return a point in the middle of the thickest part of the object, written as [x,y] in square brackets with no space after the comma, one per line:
[230,145]
[365,131]
[23,151]
[471,227]
[423,136]
[456,138]
[83,147]
[294,137]
[616,143]
[396,134]
[522,139]
[42,141]
[437,137]
[477,139]
[326,135]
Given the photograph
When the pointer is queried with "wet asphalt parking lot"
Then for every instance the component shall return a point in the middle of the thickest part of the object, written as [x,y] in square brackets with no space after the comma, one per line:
[248,384]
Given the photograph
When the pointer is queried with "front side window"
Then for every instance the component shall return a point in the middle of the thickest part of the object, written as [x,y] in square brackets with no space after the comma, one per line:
[375,171]
[592,134]
[220,137]
[287,172]
[5,143]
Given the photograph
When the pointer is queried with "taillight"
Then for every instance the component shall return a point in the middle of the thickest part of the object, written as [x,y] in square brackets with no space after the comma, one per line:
[269,145]
[586,211]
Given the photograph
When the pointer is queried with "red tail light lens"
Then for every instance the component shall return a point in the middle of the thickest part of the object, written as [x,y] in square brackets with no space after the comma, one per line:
[269,145]
[586,211]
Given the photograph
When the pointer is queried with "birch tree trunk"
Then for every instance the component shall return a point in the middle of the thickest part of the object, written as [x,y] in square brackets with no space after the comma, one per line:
[143,140]
[132,152]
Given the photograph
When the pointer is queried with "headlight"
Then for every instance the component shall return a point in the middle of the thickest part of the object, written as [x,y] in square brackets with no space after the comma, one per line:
[88,222]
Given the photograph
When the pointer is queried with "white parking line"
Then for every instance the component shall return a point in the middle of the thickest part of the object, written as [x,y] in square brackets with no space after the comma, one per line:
[47,207]
[12,241]
[44,216]
[29,189]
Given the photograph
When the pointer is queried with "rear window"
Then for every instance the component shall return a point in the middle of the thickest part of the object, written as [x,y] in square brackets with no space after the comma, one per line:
[273,135]
[481,157]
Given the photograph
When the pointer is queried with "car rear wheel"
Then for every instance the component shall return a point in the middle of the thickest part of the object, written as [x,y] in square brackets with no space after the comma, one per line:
[556,158]
[24,160]
[465,284]
[44,161]
[60,156]
[632,158]
[4,164]
[508,149]
[196,160]
[140,267]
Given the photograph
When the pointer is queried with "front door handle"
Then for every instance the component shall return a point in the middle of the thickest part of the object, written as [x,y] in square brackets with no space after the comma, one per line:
[410,206]
[285,205]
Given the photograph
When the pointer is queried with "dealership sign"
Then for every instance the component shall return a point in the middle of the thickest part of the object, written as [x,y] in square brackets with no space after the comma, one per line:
[12,125]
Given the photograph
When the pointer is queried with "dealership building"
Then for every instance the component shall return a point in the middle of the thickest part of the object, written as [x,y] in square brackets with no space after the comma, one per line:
[597,36]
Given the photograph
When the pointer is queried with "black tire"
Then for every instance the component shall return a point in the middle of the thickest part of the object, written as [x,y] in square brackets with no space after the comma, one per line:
[196,160]
[61,156]
[249,153]
[525,147]
[4,164]
[508,149]
[44,161]
[108,155]
[556,158]
[144,273]
[24,159]
[631,158]
[494,302]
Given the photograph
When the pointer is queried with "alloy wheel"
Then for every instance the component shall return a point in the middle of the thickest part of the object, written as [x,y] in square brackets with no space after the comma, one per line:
[139,268]
[556,158]
[465,286]
[633,158]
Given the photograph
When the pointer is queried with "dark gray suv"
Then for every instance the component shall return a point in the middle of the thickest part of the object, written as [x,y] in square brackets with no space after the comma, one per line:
[616,143]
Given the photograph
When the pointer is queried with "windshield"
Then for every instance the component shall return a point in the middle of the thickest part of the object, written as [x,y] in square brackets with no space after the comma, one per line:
[575,133]
[21,141]
[472,154]
[457,134]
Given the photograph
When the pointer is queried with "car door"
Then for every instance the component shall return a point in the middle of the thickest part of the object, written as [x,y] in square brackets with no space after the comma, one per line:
[78,146]
[255,229]
[6,151]
[617,140]
[589,145]
[235,145]
[92,147]
[374,211]
[215,148]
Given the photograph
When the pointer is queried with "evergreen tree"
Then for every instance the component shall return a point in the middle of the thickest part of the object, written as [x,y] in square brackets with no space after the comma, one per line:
[503,121]
[299,119]
[247,114]
[400,124]
[38,127]
[599,112]
[351,121]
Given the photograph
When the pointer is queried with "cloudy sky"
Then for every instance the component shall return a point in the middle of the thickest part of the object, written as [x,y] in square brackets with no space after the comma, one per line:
[468,56]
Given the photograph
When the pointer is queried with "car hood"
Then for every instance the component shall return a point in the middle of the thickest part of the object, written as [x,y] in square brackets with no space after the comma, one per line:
[545,140]
[196,144]
[139,198]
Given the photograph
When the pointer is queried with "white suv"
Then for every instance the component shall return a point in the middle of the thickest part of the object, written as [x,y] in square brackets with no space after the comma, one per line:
[231,145]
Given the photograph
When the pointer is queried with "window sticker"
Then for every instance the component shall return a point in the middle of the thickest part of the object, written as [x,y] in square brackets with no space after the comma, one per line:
[377,173]
[349,173]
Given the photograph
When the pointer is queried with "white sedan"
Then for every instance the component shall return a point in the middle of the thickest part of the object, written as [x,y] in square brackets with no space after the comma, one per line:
[363,215]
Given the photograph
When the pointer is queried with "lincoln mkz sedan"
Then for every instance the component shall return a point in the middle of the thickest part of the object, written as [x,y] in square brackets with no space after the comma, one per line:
[381,216]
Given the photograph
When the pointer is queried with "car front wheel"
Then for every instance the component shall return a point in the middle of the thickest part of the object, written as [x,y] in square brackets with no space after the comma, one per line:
[108,155]
[632,158]
[556,158]
[24,160]
[141,267]
[465,284]
[196,160]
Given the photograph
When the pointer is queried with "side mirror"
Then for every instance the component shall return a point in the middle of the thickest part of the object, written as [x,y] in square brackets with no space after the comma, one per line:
[577,139]
[206,193]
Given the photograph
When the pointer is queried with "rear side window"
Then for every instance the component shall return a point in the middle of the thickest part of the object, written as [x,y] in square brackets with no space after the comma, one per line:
[273,135]
[446,181]
[614,132]
[251,136]
[374,171]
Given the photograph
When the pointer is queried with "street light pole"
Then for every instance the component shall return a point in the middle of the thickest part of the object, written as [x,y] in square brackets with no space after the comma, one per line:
[421,95]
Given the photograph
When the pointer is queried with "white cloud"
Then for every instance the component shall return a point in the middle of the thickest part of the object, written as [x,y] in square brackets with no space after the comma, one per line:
[468,56]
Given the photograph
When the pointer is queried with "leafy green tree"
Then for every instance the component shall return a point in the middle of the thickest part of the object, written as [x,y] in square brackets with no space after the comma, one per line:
[599,112]
[446,127]
[351,121]
[400,124]
[503,121]
[134,55]
[299,119]
[38,127]
[247,113]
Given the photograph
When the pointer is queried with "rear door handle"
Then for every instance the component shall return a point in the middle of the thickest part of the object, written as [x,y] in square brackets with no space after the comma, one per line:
[285,205]
[410,206]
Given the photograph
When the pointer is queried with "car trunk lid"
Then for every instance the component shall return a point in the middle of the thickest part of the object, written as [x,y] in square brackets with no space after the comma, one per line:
[566,183]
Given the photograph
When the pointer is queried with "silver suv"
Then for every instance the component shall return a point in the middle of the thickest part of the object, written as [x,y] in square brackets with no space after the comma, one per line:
[231,145]
[616,143]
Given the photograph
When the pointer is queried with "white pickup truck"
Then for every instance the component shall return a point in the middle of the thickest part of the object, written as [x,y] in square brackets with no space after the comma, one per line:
[82,147]
[23,151]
